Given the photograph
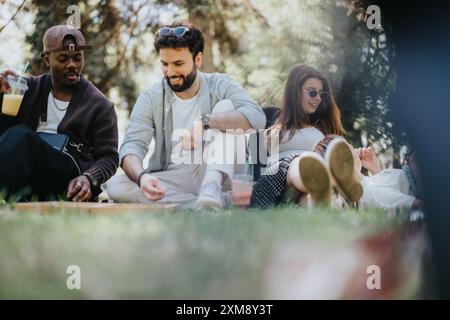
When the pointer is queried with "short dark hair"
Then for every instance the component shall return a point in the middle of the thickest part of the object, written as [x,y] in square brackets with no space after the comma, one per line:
[192,39]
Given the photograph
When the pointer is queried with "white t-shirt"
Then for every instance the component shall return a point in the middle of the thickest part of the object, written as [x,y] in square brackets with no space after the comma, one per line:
[55,113]
[184,113]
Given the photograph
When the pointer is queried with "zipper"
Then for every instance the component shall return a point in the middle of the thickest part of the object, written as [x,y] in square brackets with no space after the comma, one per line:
[76,164]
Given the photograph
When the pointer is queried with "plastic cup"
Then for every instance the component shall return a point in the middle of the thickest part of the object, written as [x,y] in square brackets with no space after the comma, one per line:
[241,189]
[13,100]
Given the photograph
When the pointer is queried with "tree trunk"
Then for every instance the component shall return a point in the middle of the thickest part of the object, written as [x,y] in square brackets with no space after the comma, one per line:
[202,23]
[396,164]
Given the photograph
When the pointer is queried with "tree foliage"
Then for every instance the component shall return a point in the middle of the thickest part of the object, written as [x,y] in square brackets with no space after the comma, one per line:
[256,42]
[115,29]
[333,37]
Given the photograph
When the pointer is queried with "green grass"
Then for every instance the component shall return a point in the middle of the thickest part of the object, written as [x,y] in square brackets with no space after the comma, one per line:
[180,255]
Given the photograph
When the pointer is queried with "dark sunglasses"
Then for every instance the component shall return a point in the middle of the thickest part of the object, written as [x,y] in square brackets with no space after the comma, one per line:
[313,93]
[177,31]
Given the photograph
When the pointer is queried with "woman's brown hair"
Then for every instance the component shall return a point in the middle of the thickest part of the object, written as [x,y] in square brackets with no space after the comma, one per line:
[292,117]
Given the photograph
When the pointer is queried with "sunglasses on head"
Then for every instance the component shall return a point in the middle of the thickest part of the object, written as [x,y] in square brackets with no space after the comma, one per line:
[314,93]
[177,31]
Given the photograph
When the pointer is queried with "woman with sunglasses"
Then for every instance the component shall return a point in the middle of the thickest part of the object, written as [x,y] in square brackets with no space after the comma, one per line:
[307,114]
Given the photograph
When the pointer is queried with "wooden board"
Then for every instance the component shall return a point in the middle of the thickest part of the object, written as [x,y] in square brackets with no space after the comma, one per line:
[94,208]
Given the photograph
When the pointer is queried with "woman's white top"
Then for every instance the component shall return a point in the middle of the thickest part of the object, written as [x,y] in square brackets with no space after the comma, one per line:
[388,189]
[303,140]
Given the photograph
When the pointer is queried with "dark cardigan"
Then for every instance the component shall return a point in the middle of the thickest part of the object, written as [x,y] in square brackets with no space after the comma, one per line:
[90,119]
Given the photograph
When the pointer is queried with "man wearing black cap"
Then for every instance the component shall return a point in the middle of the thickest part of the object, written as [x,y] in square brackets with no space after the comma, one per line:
[35,156]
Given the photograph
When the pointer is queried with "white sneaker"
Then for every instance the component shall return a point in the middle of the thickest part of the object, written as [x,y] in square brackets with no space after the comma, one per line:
[210,196]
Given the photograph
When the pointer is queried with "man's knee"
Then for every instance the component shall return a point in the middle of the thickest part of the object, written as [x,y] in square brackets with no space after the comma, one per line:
[121,189]
[19,133]
[19,137]
[6,122]
[224,105]
[113,187]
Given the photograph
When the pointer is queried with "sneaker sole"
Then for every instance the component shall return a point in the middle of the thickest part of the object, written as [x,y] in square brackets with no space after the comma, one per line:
[209,203]
[340,160]
[315,178]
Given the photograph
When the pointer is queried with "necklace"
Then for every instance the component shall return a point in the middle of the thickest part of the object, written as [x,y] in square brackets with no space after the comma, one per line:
[54,101]
[56,105]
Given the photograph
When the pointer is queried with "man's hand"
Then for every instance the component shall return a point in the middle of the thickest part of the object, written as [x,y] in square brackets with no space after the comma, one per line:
[4,85]
[151,188]
[193,138]
[79,189]
[369,160]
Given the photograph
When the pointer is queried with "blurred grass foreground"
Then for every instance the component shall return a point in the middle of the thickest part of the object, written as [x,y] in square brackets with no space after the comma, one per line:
[284,253]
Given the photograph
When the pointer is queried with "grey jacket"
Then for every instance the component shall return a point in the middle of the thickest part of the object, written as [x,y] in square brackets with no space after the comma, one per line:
[146,120]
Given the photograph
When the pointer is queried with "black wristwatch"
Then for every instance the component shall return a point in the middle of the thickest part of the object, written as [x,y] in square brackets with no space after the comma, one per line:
[91,179]
[205,121]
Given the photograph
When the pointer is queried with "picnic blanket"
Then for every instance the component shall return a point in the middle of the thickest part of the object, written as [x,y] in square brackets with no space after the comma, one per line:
[93,208]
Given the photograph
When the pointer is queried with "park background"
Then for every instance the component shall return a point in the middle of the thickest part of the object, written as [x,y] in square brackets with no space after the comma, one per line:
[283,253]
[256,42]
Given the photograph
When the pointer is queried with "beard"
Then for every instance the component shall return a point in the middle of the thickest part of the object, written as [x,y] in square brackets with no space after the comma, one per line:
[186,83]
